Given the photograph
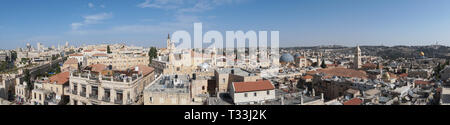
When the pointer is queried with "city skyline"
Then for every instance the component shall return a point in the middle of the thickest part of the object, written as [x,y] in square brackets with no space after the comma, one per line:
[301,23]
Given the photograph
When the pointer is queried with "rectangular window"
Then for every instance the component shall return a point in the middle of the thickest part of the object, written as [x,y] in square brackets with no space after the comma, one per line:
[254,94]
[268,92]
[245,95]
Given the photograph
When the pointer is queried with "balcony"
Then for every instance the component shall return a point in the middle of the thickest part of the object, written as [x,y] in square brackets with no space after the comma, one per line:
[83,94]
[106,78]
[74,92]
[84,75]
[106,99]
[93,78]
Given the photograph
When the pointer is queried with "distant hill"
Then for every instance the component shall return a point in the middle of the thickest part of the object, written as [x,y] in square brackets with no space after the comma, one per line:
[432,51]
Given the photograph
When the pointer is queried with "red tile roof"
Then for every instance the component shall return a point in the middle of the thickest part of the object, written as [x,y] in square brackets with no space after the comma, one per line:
[101,49]
[76,54]
[369,65]
[332,65]
[421,82]
[60,78]
[403,75]
[100,54]
[71,61]
[98,67]
[307,77]
[344,72]
[259,85]
[311,72]
[144,69]
[354,101]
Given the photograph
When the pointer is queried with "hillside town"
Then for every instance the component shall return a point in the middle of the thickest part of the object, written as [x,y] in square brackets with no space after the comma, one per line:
[118,74]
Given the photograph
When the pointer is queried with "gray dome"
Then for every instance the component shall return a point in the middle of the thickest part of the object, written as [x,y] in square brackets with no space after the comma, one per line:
[286,57]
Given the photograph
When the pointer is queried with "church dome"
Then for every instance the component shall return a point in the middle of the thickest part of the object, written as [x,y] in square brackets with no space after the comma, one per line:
[286,58]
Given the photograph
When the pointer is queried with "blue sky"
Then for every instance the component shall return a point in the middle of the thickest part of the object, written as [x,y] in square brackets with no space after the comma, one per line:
[300,22]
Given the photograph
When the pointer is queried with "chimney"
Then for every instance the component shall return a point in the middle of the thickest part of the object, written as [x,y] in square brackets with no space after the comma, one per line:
[301,99]
[313,92]
[378,99]
[321,97]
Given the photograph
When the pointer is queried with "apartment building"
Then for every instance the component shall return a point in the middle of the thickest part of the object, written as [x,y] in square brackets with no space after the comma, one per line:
[101,85]
[51,91]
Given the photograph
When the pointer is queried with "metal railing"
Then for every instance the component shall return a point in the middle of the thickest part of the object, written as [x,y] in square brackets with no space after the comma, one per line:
[118,101]
[93,96]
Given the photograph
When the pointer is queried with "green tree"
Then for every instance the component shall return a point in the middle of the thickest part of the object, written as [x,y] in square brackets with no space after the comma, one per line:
[13,56]
[108,50]
[3,65]
[27,78]
[323,65]
[153,53]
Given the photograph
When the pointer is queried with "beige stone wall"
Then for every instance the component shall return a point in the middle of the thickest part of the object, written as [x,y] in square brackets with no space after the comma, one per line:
[58,89]
[245,97]
[199,87]
[167,98]
[37,97]
[222,82]
[120,62]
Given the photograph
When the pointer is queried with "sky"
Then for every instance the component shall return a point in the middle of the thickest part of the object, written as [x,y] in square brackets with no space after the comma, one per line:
[300,22]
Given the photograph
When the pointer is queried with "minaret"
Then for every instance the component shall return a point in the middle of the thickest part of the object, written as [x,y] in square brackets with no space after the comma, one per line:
[357,60]
[169,43]
[170,48]
[319,62]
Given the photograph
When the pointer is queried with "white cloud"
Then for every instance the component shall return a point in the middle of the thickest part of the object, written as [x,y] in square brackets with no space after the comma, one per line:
[181,22]
[91,19]
[166,4]
[186,5]
[91,5]
[102,6]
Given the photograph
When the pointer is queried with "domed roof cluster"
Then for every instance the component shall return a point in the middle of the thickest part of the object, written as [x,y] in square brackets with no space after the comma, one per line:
[286,58]
[297,55]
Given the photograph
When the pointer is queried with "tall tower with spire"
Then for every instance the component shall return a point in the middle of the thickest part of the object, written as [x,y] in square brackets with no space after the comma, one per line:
[169,43]
[170,47]
[357,60]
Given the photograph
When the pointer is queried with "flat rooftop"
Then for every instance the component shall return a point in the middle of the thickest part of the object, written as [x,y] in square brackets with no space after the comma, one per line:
[237,71]
[170,84]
